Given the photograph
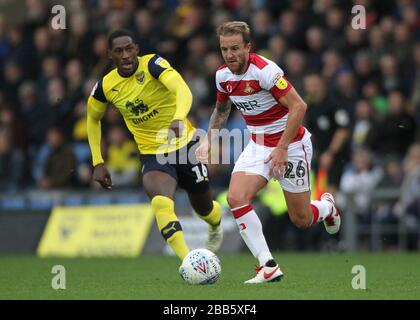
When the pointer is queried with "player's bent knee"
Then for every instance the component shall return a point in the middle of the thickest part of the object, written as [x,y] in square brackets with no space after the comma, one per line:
[236,200]
[300,222]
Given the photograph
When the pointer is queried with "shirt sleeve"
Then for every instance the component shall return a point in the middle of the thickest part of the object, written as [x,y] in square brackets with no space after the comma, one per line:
[273,80]
[157,66]
[95,111]
[98,92]
[174,82]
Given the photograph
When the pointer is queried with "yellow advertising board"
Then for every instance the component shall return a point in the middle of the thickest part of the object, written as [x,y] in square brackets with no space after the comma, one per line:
[95,231]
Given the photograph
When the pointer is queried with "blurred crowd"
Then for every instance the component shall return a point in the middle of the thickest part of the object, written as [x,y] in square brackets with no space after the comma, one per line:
[362,86]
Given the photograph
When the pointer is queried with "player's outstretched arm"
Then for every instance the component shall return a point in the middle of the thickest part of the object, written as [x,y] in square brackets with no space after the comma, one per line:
[217,122]
[95,112]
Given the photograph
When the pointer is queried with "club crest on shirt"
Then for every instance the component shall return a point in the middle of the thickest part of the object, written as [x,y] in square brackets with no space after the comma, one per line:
[248,88]
[229,88]
[140,77]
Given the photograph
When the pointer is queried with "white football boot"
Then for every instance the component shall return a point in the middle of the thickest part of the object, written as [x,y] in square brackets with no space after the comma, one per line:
[266,274]
[333,221]
[214,238]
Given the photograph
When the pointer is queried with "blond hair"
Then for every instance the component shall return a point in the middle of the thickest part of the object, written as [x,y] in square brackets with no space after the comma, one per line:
[235,27]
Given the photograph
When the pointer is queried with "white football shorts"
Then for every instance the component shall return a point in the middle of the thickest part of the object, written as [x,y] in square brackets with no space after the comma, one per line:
[297,174]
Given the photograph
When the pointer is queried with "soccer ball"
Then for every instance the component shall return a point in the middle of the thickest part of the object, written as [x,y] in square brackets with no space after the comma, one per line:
[200,266]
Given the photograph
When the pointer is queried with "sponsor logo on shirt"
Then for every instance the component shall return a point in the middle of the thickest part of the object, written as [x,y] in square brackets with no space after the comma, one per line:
[144,118]
[137,107]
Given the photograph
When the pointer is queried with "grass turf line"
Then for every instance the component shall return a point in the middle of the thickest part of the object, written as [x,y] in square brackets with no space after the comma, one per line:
[155,277]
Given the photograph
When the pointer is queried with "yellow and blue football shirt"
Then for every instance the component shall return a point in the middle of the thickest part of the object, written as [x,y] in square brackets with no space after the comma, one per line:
[149,100]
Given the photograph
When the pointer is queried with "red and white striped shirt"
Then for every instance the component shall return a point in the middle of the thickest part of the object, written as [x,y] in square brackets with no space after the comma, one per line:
[256,93]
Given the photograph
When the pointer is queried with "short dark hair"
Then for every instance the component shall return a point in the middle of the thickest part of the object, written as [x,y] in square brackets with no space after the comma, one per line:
[120,33]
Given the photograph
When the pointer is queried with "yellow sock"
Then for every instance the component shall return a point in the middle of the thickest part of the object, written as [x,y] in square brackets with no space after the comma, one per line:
[169,225]
[215,216]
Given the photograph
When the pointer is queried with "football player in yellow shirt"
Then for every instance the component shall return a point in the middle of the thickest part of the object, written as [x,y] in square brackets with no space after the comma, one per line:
[154,101]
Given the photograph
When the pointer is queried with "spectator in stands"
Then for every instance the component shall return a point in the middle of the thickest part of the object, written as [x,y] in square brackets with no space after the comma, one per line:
[390,181]
[332,62]
[277,48]
[10,121]
[346,91]
[12,76]
[199,89]
[377,44]
[315,41]
[410,191]
[359,180]
[364,69]
[80,145]
[11,161]
[58,104]
[100,61]
[197,48]
[415,94]
[408,206]
[295,62]
[59,166]
[74,80]
[379,102]
[79,41]
[41,41]
[288,25]
[355,41]
[22,50]
[34,115]
[36,14]
[147,31]
[391,79]
[122,161]
[403,46]
[50,68]
[335,21]
[364,120]
[5,45]
[393,174]
[330,128]
[397,129]
[261,27]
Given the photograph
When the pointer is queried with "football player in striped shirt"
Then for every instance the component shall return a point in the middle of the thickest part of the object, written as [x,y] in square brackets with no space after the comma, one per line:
[279,147]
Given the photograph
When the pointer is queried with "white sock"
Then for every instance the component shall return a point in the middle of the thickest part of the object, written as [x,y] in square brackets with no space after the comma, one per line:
[251,230]
[320,210]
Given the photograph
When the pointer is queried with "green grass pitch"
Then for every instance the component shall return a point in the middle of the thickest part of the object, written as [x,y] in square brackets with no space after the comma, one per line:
[154,277]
